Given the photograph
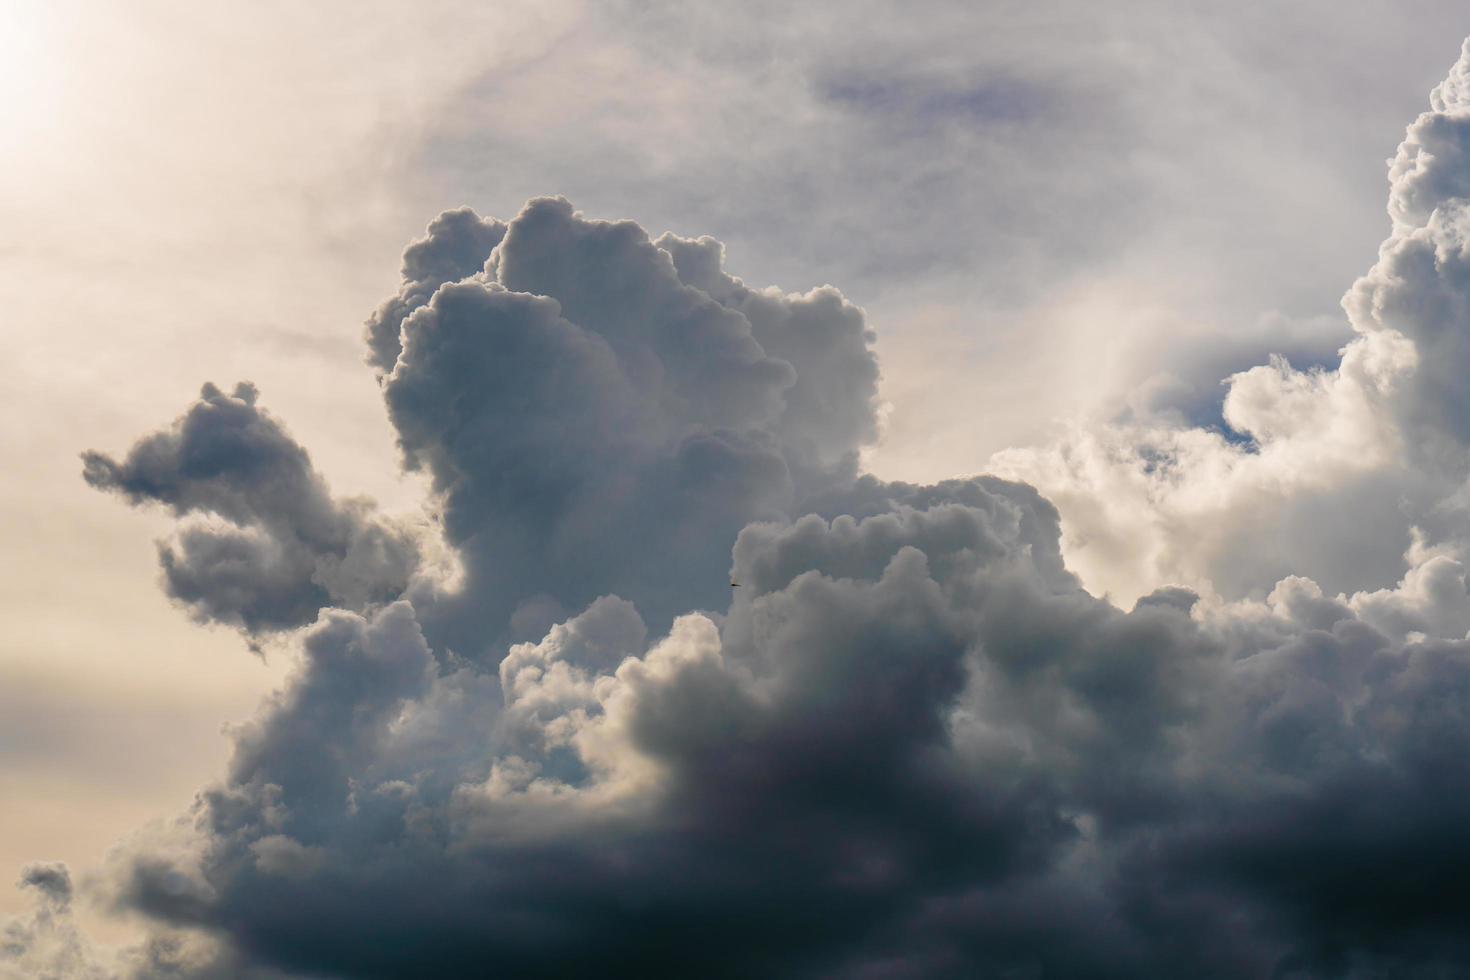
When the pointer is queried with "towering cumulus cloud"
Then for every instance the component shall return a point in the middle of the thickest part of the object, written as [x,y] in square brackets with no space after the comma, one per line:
[603,414]
[910,743]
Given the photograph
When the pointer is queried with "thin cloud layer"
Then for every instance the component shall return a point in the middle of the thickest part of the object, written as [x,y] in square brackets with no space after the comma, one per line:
[909,742]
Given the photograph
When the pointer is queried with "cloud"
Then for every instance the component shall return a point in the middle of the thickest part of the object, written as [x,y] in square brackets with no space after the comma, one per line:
[908,741]
[46,943]
[281,547]
[909,747]
[601,413]
[455,247]
[1377,443]
[654,775]
[51,880]
[583,399]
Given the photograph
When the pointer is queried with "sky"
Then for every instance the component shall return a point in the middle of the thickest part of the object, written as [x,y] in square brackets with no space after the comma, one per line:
[870,490]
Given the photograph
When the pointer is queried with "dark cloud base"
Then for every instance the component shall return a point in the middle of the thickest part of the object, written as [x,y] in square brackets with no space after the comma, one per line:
[907,744]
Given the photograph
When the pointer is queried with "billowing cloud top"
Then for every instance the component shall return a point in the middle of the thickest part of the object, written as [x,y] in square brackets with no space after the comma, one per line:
[907,742]
[1324,472]
[597,422]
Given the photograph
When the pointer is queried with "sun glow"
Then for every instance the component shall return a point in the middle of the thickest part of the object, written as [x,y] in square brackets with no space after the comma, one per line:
[31,74]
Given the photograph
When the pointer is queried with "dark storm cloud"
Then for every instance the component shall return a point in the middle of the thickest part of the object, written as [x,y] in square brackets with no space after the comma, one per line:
[910,744]
[282,547]
[910,751]
[752,803]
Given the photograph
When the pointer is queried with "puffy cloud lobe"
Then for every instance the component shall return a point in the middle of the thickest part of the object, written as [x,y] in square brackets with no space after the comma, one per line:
[456,246]
[1430,166]
[700,359]
[829,410]
[796,779]
[1419,290]
[546,684]
[327,725]
[597,422]
[556,477]
[279,547]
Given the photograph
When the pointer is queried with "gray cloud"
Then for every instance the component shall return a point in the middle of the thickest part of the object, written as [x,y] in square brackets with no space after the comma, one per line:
[282,547]
[603,413]
[50,879]
[910,749]
[455,247]
[909,743]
